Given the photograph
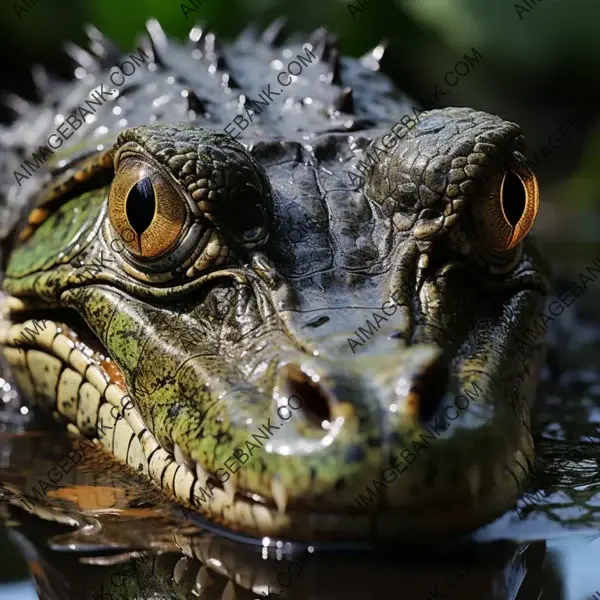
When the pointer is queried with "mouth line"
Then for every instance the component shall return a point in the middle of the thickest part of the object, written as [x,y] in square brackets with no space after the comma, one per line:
[19,311]
[65,317]
[209,480]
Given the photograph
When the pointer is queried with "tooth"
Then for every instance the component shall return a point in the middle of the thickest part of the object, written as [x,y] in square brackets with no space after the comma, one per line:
[178,455]
[182,458]
[11,303]
[263,518]
[201,474]
[4,327]
[230,488]
[279,495]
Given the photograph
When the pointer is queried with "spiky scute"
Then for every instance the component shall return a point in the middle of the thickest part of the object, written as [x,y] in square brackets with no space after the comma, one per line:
[204,82]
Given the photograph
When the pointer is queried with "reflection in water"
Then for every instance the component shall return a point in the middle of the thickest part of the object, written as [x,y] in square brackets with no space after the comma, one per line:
[86,541]
[206,566]
[100,532]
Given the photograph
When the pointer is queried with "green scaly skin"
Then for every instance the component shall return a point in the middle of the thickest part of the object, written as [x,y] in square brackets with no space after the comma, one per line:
[208,353]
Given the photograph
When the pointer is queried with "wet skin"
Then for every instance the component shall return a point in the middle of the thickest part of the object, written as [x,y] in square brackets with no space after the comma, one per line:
[205,314]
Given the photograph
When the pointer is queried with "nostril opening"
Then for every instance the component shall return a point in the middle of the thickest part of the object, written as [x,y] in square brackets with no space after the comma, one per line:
[429,390]
[313,400]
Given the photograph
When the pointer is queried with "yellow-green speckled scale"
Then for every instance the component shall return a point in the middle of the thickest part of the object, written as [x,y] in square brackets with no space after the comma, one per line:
[60,237]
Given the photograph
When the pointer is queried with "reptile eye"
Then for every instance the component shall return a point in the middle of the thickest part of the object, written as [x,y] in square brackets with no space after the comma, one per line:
[504,213]
[145,210]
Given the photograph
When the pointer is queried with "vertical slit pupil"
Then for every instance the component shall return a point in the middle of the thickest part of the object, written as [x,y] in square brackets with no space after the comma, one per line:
[141,205]
[513,198]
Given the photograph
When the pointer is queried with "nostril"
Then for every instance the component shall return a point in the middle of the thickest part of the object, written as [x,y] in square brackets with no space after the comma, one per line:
[313,400]
[428,390]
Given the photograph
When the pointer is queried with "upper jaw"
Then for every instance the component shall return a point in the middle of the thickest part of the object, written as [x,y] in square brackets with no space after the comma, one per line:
[353,420]
[444,479]
[360,390]
[293,496]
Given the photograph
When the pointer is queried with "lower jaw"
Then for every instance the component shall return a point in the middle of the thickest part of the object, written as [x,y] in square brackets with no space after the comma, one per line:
[57,361]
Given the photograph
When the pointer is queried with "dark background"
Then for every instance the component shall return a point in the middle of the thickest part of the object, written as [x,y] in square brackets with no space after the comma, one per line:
[538,66]
[538,69]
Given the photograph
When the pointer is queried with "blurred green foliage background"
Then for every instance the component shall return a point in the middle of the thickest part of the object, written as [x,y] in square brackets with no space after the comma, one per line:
[539,65]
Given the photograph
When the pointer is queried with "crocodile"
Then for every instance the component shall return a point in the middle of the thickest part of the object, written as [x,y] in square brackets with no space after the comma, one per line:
[256,331]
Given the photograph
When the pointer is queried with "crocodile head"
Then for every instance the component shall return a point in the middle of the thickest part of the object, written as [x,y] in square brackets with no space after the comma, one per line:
[290,354]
